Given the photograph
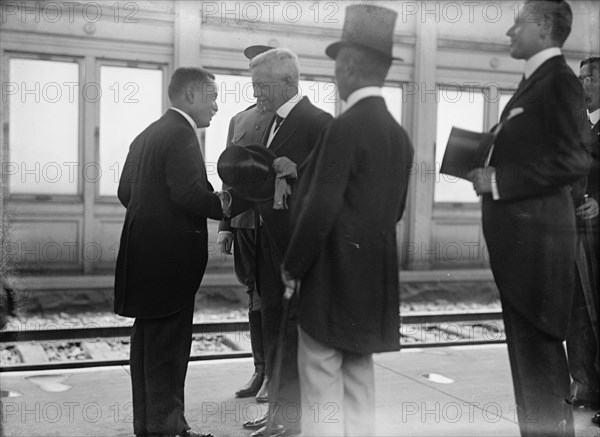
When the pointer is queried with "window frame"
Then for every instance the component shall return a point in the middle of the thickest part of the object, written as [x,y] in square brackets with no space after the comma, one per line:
[99,63]
[45,197]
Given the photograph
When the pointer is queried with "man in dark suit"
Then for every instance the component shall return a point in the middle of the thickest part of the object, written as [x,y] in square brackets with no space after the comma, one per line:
[245,128]
[582,340]
[164,250]
[528,215]
[292,133]
[343,248]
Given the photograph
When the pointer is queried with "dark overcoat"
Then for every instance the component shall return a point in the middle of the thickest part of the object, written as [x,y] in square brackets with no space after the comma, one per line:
[343,247]
[530,232]
[164,243]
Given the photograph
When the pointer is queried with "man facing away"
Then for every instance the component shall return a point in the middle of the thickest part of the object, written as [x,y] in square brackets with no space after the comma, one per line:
[343,248]
[529,218]
[164,250]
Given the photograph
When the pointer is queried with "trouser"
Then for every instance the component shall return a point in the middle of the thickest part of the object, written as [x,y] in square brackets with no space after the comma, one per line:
[287,410]
[160,351]
[245,266]
[582,350]
[540,378]
[337,390]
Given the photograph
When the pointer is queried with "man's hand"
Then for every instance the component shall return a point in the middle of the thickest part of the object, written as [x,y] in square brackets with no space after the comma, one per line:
[287,280]
[225,241]
[482,179]
[588,210]
[225,203]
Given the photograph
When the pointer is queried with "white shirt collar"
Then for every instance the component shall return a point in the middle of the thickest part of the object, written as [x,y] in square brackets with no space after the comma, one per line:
[187,117]
[284,110]
[538,59]
[594,116]
[359,94]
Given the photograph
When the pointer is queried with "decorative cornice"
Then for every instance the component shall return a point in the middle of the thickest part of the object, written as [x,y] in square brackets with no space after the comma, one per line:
[299,30]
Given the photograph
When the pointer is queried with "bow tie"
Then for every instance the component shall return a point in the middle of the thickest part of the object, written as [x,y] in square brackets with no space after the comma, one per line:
[278,121]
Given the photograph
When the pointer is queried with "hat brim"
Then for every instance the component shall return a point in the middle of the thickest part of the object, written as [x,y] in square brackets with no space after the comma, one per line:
[333,49]
[252,51]
[249,171]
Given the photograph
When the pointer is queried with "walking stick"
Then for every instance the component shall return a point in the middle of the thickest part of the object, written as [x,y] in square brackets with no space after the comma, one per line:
[276,373]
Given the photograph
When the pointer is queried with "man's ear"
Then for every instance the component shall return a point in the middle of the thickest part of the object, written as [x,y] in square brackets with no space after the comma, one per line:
[546,28]
[188,93]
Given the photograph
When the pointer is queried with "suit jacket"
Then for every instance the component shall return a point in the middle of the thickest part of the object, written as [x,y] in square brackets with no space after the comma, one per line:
[530,231]
[295,139]
[164,242]
[343,246]
[245,128]
[593,182]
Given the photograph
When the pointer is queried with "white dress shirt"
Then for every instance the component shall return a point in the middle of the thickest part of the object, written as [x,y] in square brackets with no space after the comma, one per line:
[283,111]
[359,94]
[594,116]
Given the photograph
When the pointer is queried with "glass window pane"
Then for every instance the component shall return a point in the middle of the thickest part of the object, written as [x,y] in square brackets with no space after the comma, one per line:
[461,108]
[322,94]
[43,99]
[131,99]
[393,99]
[504,98]
[235,95]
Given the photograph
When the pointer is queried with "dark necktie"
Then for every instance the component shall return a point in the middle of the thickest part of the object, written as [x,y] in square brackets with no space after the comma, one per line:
[278,121]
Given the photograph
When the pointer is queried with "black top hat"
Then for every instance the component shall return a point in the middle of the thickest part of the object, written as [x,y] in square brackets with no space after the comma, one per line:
[368,27]
[249,171]
[252,51]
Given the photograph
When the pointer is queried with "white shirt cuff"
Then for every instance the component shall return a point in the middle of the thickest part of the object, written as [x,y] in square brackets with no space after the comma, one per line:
[495,192]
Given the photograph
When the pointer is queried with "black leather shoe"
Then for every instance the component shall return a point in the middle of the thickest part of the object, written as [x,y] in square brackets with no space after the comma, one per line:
[263,393]
[252,387]
[596,419]
[256,423]
[190,433]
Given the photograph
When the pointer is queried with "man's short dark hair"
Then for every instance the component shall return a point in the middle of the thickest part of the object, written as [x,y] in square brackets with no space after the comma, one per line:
[594,63]
[557,12]
[184,76]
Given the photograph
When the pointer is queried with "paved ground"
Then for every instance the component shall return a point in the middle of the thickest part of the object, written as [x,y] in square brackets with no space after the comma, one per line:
[450,391]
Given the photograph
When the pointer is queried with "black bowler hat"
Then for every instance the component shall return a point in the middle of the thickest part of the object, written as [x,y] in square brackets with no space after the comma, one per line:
[252,51]
[368,27]
[249,171]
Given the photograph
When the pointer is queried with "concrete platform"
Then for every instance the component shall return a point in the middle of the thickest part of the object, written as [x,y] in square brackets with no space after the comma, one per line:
[449,391]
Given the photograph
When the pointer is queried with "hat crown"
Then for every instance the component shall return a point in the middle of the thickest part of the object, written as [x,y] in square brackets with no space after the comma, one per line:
[368,26]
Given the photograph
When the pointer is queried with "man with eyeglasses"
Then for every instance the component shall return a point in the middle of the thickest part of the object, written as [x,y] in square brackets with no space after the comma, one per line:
[582,338]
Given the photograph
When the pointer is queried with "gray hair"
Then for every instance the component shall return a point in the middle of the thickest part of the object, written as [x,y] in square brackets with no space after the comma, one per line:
[282,63]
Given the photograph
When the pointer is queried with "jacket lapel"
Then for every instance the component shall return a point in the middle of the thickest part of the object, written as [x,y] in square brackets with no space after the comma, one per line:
[526,84]
[289,126]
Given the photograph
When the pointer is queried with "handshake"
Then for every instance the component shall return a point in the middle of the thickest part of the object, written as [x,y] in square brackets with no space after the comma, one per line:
[225,198]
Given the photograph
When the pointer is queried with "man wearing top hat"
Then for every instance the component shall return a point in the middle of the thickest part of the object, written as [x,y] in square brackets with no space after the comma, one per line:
[292,134]
[245,128]
[529,218]
[343,247]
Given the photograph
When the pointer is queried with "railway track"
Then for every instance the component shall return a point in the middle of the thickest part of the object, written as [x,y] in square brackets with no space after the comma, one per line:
[418,330]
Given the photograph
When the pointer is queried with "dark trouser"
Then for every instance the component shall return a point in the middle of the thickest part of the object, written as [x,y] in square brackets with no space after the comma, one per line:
[540,378]
[582,349]
[160,351]
[245,266]
[287,410]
